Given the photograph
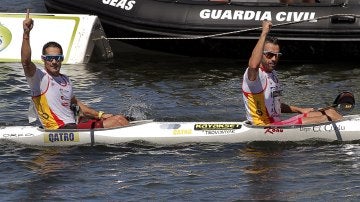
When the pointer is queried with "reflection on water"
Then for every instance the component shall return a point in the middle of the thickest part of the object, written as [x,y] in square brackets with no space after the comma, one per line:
[263,171]
[176,88]
[47,162]
[224,172]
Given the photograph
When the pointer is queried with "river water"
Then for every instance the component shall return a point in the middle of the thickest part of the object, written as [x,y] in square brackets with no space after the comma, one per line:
[152,85]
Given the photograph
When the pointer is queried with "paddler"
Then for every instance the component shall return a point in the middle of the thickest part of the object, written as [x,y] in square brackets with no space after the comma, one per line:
[262,90]
[52,92]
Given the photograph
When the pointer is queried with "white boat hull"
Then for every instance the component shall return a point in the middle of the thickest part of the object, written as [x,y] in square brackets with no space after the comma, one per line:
[168,133]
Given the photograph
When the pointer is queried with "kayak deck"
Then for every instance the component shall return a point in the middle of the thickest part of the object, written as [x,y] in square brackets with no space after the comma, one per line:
[169,133]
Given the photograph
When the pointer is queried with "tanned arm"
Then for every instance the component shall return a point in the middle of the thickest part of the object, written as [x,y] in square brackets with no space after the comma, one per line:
[28,65]
[256,55]
[293,109]
[87,111]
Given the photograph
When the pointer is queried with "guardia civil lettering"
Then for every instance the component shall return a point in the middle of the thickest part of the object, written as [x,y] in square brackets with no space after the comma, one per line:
[215,14]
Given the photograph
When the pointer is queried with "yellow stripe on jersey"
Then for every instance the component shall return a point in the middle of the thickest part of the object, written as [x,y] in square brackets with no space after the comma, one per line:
[258,112]
[44,112]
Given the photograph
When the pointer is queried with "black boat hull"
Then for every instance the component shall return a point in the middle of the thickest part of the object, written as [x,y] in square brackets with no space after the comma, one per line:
[333,36]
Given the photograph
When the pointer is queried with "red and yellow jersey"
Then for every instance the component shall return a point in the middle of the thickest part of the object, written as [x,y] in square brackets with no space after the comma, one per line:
[262,98]
[52,99]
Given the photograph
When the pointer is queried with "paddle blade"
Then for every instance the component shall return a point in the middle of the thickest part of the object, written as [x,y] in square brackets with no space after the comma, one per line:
[345,101]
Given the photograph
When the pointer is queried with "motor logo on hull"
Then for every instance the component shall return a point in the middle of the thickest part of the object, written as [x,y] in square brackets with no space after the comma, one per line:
[247,15]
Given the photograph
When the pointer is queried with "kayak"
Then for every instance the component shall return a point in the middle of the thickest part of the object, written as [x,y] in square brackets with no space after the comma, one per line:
[170,133]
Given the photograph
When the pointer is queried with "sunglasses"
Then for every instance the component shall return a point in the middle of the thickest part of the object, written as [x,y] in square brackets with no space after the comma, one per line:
[270,54]
[53,57]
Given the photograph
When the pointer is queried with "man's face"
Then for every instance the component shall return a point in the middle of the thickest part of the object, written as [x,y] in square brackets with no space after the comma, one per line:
[270,57]
[52,60]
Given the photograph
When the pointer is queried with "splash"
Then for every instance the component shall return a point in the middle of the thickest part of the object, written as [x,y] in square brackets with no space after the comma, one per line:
[138,111]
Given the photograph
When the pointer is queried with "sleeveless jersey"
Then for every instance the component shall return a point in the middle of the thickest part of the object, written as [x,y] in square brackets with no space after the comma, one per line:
[52,98]
[262,98]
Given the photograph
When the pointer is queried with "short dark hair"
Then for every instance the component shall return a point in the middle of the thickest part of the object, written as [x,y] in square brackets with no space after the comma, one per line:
[273,40]
[51,44]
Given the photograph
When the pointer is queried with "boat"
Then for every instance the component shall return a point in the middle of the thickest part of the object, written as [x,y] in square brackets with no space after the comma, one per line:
[227,28]
[171,133]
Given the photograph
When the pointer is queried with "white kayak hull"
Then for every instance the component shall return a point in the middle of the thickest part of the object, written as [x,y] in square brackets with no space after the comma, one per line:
[168,133]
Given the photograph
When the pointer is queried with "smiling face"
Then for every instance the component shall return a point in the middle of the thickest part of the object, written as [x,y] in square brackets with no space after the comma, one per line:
[52,66]
[270,56]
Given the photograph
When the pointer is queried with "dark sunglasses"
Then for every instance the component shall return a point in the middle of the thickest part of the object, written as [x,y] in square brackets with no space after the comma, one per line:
[53,57]
[270,54]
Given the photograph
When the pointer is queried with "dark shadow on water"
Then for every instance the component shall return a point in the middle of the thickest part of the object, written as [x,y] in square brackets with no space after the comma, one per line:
[128,56]
[241,49]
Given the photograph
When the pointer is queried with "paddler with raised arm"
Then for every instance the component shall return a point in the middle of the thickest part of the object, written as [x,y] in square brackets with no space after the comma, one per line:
[262,90]
[52,92]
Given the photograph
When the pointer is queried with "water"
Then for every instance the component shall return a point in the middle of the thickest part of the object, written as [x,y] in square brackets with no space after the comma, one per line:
[150,85]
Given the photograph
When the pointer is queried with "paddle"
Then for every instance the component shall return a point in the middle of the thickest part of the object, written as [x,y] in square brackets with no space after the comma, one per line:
[345,101]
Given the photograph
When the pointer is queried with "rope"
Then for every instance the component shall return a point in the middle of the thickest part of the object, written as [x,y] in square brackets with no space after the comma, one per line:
[225,33]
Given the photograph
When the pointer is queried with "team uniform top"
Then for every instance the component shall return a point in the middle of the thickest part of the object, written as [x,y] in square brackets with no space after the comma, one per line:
[262,98]
[52,98]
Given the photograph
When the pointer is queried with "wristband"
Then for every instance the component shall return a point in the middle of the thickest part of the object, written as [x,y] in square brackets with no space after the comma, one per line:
[100,114]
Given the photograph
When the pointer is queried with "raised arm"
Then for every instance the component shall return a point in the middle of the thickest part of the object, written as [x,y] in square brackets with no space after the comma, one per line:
[29,67]
[257,53]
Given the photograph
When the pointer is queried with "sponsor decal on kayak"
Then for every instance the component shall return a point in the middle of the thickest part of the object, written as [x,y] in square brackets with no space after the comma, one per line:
[61,137]
[123,4]
[219,132]
[323,128]
[246,15]
[216,126]
[17,135]
[273,130]
[182,132]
